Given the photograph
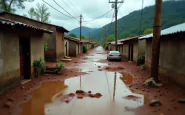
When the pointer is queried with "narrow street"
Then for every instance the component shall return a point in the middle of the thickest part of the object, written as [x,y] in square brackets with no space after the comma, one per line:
[119,83]
[95,81]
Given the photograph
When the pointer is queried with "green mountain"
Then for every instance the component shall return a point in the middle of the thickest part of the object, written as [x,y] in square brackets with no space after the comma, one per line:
[173,12]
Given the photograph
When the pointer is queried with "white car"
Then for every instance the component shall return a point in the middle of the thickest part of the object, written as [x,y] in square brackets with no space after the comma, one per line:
[113,55]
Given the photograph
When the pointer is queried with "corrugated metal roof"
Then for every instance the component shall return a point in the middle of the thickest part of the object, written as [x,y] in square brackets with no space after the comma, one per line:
[4,21]
[171,30]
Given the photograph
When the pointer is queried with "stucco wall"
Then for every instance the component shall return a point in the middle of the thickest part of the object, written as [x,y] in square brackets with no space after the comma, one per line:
[37,50]
[141,46]
[172,57]
[73,47]
[10,74]
[125,51]
[135,51]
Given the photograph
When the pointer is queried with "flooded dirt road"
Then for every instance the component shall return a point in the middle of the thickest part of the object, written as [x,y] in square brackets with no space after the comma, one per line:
[111,88]
[48,99]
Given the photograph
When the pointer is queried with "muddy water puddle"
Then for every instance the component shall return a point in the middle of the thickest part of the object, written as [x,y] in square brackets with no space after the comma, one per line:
[50,98]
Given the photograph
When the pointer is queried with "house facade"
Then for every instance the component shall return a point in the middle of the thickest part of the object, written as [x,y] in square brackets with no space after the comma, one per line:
[72,46]
[55,40]
[20,45]
[172,53]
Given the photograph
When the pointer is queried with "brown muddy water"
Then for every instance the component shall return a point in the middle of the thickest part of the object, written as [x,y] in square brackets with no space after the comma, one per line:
[47,100]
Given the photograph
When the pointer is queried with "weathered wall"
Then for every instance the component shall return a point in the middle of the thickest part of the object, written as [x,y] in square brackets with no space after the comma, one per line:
[125,51]
[135,51]
[37,50]
[73,48]
[141,46]
[172,57]
[51,54]
[9,59]
[60,44]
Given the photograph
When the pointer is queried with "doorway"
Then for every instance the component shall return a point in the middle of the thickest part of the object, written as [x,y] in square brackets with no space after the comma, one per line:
[25,66]
[130,52]
[66,48]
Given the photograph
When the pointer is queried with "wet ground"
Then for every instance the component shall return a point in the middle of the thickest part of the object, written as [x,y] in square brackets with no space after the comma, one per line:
[120,84]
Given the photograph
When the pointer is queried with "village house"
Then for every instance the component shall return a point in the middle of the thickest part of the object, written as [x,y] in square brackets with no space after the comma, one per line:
[132,48]
[172,53]
[55,40]
[20,45]
[71,46]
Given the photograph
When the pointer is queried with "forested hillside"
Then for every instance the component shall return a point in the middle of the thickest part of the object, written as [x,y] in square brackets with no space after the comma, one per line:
[173,13]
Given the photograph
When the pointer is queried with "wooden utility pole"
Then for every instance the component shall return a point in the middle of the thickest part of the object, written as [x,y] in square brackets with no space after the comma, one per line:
[116,22]
[80,27]
[156,40]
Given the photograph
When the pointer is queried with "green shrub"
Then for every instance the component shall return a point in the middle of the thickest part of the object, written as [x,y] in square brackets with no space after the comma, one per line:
[39,66]
[59,67]
[141,59]
[143,66]
[85,49]
[106,47]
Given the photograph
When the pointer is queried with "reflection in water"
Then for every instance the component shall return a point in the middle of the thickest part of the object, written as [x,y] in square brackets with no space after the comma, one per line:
[126,78]
[114,84]
[40,97]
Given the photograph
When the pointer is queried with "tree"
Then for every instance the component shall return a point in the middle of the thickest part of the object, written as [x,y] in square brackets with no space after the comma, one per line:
[41,13]
[32,13]
[83,37]
[7,5]
[148,31]
[110,38]
[73,35]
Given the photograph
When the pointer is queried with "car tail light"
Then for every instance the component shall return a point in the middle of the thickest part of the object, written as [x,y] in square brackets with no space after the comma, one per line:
[110,55]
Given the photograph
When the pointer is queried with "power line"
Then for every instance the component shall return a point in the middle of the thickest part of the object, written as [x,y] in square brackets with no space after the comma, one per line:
[73,5]
[99,16]
[56,9]
[65,10]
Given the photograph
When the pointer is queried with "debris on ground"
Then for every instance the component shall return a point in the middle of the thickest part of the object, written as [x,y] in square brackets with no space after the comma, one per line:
[181,100]
[132,97]
[8,104]
[66,60]
[155,103]
[152,83]
[80,91]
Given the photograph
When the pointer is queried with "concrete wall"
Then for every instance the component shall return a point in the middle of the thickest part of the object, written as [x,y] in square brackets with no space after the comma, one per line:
[135,51]
[54,41]
[37,50]
[172,57]
[10,61]
[73,47]
[60,44]
[125,51]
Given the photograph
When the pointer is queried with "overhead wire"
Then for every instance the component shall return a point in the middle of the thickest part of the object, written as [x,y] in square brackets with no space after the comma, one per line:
[73,5]
[98,17]
[65,10]
[56,9]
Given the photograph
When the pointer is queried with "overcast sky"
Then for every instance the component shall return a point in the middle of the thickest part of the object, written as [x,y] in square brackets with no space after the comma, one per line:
[90,9]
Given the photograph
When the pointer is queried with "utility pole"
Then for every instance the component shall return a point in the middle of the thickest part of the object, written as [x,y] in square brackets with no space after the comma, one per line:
[156,40]
[105,34]
[115,6]
[80,27]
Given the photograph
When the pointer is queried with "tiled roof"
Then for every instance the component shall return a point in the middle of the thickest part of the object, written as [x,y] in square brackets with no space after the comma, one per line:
[171,30]
[71,38]
[82,40]
[7,22]
[65,30]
